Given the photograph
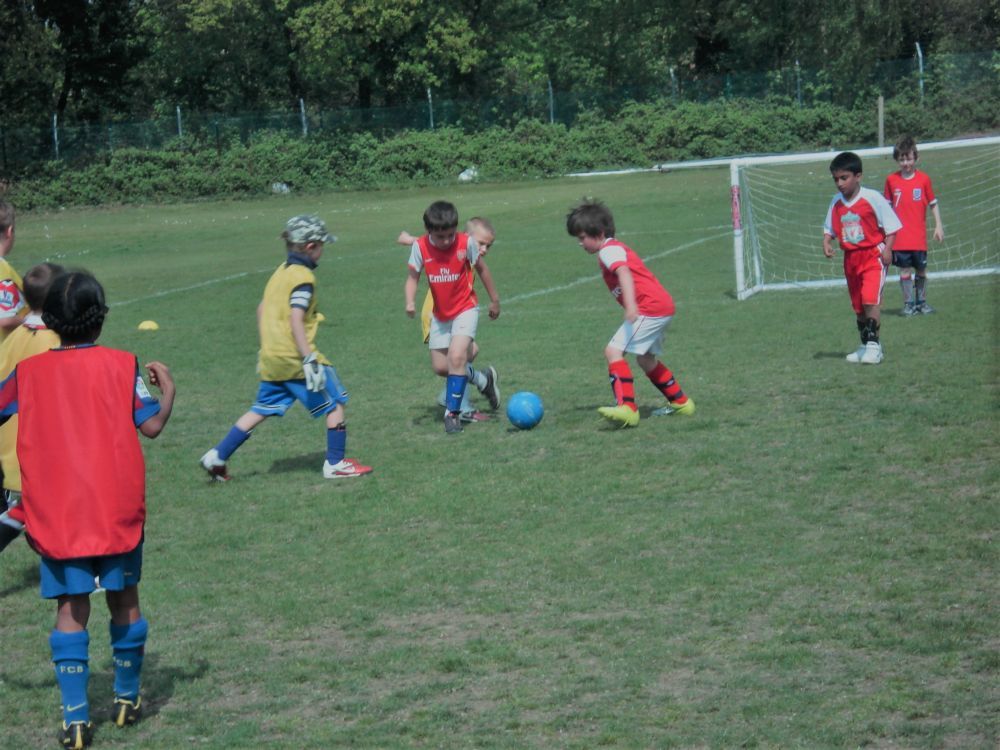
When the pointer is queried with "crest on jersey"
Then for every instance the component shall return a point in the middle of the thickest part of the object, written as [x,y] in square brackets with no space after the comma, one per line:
[461,255]
[10,297]
[852,231]
[917,194]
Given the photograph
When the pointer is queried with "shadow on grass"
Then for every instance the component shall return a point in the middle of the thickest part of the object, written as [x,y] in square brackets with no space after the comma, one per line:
[28,579]
[303,462]
[829,355]
[158,684]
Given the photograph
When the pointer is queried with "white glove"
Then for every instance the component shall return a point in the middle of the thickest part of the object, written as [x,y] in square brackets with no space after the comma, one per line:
[315,373]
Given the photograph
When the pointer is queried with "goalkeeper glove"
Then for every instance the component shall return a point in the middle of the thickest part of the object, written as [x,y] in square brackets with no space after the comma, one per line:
[314,372]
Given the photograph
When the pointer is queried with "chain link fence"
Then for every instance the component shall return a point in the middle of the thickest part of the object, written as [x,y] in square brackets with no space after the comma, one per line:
[929,78]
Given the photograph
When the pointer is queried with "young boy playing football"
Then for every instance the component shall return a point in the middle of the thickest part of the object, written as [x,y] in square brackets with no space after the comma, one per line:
[649,308]
[481,230]
[447,257]
[83,503]
[863,223]
[290,366]
[910,193]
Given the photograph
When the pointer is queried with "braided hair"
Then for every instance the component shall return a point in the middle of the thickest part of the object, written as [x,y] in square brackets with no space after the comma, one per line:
[74,308]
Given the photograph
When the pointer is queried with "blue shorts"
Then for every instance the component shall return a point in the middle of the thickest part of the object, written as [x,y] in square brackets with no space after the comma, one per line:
[275,397]
[65,577]
[910,259]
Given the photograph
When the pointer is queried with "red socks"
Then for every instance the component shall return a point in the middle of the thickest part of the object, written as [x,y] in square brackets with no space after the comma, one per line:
[622,384]
[665,382]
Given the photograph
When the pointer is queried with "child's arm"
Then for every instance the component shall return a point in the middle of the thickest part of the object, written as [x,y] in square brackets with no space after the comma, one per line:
[10,323]
[159,376]
[627,285]
[410,292]
[487,278]
[890,240]
[938,228]
[828,249]
[405,238]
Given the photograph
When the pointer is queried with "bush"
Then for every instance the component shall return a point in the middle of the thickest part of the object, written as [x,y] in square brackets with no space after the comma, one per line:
[638,135]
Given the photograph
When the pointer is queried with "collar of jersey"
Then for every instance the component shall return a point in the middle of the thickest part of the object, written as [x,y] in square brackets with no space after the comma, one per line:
[294,259]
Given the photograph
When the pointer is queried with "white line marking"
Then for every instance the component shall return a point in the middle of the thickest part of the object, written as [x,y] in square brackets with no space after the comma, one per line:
[166,292]
[588,279]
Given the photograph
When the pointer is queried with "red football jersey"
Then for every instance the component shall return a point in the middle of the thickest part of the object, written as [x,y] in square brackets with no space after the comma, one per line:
[82,471]
[650,296]
[449,273]
[862,224]
[909,199]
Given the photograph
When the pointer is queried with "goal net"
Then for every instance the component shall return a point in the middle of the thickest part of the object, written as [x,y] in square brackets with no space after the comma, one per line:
[779,204]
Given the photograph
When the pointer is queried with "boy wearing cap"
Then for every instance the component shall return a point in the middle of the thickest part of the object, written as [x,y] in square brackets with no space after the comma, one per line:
[290,367]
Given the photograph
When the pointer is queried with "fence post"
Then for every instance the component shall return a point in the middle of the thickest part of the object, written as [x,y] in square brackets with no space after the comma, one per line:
[552,104]
[218,143]
[881,121]
[3,148]
[55,133]
[798,83]
[920,63]
[430,107]
[180,129]
[673,83]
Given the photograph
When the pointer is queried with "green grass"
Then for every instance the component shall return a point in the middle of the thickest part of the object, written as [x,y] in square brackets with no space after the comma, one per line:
[808,562]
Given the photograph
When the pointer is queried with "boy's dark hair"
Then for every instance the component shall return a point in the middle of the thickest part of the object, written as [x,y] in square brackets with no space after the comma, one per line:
[847,161]
[590,217]
[6,214]
[439,216]
[905,145]
[37,282]
[74,307]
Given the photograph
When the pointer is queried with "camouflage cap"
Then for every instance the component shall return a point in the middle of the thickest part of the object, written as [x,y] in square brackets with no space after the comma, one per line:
[307,228]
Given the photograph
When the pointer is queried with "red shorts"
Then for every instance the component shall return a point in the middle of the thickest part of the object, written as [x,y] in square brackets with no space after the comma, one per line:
[865,275]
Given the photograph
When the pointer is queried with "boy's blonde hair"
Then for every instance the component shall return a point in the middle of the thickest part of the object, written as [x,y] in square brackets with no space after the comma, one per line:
[480,222]
[6,215]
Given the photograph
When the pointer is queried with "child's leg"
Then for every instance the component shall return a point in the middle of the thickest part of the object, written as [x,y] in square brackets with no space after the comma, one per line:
[70,643]
[238,434]
[336,435]
[458,374]
[661,377]
[128,630]
[906,285]
[620,375]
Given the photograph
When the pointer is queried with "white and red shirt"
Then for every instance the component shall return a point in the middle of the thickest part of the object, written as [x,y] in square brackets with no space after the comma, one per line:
[449,273]
[910,198]
[863,223]
[650,296]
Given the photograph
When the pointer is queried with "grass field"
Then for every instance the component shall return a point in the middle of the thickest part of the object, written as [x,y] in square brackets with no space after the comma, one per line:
[808,562]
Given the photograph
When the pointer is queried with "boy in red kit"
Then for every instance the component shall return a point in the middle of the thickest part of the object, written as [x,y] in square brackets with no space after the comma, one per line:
[448,257]
[863,223]
[649,309]
[79,406]
[910,193]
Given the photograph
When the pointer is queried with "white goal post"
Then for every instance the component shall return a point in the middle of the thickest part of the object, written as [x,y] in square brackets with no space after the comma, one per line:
[779,203]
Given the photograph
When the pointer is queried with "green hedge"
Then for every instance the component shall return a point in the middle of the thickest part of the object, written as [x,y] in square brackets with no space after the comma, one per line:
[640,135]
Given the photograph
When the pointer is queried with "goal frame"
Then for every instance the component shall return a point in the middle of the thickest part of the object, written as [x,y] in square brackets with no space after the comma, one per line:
[747,287]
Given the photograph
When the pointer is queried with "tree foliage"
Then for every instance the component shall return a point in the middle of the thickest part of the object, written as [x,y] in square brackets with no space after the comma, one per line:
[101,60]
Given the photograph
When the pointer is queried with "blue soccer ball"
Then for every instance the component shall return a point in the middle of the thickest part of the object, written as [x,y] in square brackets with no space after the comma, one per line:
[525,410]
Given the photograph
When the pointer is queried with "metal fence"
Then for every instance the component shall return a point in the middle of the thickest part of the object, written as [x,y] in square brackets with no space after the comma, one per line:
[927,78]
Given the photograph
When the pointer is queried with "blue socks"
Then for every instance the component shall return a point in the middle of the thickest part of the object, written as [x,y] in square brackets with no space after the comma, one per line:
[456,390]
[231,442]
[69,657]
[336,443]
[128,645]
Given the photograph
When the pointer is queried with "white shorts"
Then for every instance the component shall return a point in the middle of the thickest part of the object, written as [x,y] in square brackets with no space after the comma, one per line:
[645,336]
[464,324]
